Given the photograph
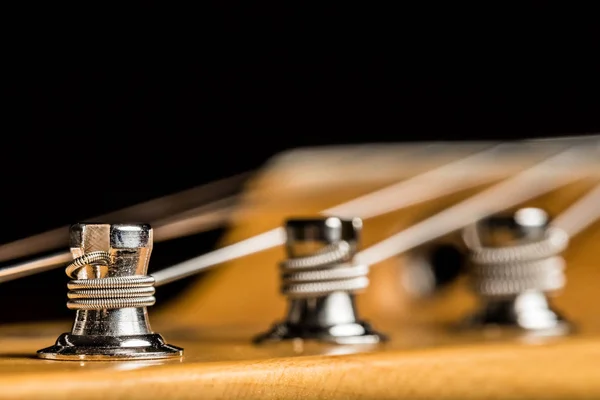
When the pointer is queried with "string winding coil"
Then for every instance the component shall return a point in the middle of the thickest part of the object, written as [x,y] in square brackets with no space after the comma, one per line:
[511,270]
[328,270]
[106,293]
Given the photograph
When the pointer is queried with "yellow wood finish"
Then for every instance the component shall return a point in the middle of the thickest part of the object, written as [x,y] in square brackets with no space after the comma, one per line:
[425,358]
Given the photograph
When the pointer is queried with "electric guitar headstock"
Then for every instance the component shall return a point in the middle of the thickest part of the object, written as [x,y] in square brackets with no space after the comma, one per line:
[429,270]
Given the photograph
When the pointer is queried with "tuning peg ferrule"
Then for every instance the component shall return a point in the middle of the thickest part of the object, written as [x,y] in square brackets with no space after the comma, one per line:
[320,279]
[109,292]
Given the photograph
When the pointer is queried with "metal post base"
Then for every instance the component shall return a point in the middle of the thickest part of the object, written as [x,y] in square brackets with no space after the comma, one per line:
[354,333]
[71,347]
[527,312]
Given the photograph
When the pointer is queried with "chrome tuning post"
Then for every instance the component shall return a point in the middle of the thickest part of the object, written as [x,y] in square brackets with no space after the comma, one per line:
[515,263]
[320,280]
[110,292]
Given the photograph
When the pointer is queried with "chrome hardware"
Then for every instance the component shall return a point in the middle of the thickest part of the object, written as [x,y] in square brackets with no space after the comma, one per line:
[515,263]
[110,292]
[320,280]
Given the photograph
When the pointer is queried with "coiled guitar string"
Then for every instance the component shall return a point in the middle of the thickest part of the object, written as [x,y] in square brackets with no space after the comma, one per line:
[106,293]
[511,270]
[328,270]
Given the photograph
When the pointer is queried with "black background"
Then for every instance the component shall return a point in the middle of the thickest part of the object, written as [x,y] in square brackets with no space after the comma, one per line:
[189,96]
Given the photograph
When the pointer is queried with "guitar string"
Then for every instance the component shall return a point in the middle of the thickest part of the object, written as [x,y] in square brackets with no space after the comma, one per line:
[580,215]
[276,237]
[172,228]
[579,139]
[189,222]
[166,208]
[584,212]
[147,211]
[551,174]
[213,215]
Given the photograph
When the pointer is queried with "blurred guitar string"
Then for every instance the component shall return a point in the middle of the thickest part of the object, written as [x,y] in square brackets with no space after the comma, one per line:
[164,210]
[190,220]
[391,198]
[541,178]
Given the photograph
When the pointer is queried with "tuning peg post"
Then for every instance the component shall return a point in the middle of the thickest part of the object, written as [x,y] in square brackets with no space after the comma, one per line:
[515,264]
[320,280]
[110,292]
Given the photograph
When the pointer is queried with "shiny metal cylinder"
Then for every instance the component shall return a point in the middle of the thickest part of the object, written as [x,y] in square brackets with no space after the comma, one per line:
[513,289]
[130,247]
[110,299]
[307,237]
[524,225]
[320,280]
